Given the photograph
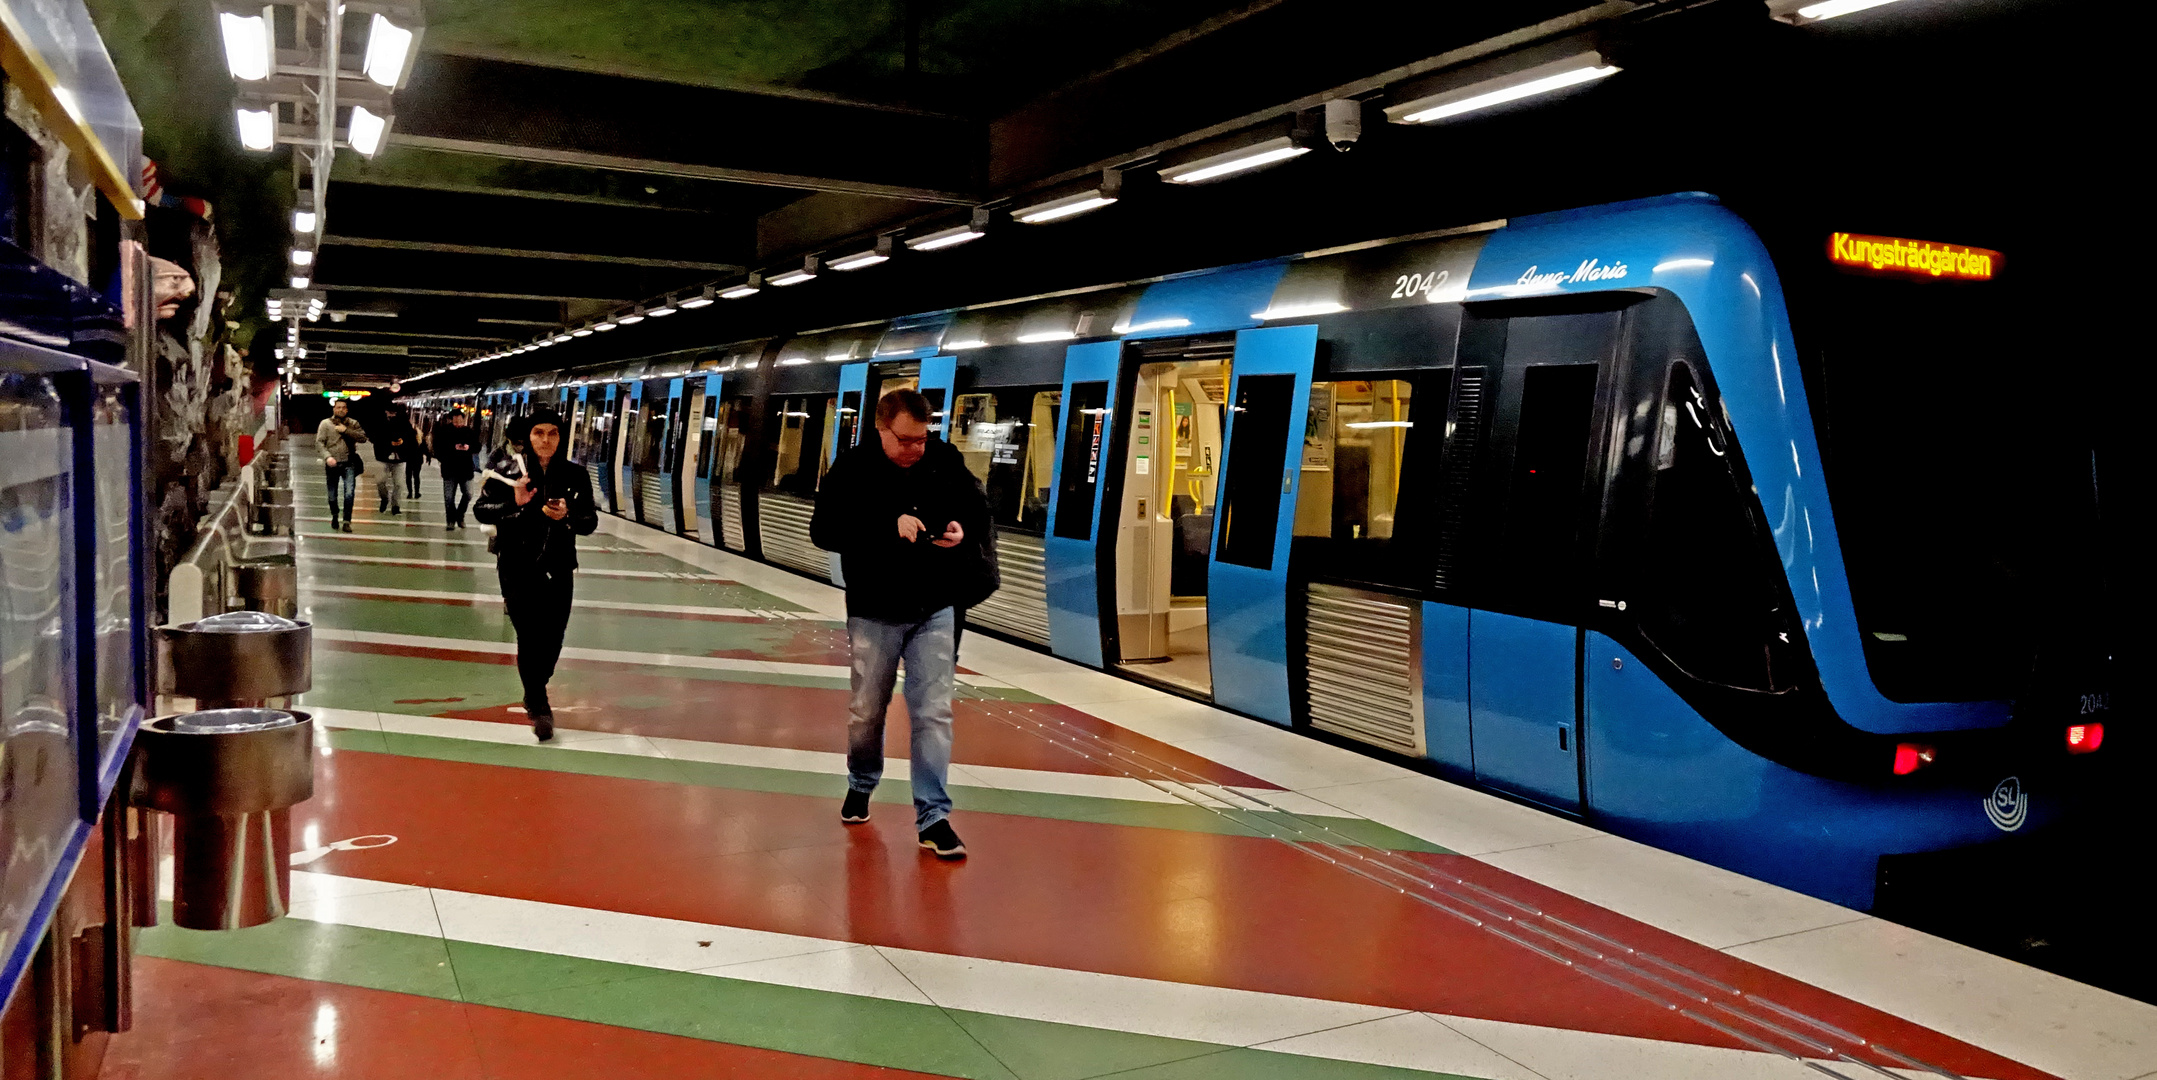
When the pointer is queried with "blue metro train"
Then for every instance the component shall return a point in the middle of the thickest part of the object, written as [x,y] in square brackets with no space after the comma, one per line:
[1606,510]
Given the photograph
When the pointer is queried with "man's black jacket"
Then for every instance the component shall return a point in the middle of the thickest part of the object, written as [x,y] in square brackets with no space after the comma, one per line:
[396,442]
[857,515]
[526,539]
[453,447]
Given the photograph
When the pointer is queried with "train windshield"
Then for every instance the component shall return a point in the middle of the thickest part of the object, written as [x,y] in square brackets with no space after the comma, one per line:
[1965,496]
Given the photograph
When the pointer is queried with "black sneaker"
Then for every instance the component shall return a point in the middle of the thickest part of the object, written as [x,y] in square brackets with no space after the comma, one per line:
[542,726]
[855,809]
[940,839]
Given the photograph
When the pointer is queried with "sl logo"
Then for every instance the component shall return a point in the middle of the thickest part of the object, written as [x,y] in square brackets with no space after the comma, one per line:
[2008,805]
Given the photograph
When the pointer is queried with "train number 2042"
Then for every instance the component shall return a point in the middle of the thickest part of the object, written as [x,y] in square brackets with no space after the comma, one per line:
[1408,285]
[2096,703]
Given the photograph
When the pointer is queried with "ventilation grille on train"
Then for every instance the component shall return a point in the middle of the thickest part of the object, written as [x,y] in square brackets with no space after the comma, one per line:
[598,492]
[731,535]
[652,499]
[1362,672]
[1020,607]
[783,525]
[1457,475]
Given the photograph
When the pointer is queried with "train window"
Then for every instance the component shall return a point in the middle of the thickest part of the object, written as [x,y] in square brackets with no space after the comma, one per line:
[1085,435]
[1257,461]
[1704,600]
[1362,449]
[731,441]
[799,458]
[1008,438]
[1536,553]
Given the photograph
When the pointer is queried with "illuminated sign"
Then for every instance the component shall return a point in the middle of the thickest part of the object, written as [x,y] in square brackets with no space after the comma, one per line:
[1888,255]
[348,395]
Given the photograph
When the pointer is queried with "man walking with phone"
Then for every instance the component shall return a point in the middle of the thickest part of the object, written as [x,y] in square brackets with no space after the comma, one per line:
[539,504]
[456,447]
[337,439]
[911,526]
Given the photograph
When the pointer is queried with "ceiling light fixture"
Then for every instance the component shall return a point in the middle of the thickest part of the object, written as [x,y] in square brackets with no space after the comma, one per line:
[809,268]
[1507,80]
[247,45]
[302,257]
[1828,9]
[1106,193]
[258,128]
[665,308]
[975,228]
[881,253]
[704,298]
[631,317]
[1241,159]
[389,47]
[582,331]
[366,130]
[299,282]
[748,288]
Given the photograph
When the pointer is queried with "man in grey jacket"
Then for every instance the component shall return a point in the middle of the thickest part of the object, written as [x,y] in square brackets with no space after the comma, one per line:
[337,439]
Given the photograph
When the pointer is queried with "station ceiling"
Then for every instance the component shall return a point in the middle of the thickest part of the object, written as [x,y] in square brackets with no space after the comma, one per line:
[551,160]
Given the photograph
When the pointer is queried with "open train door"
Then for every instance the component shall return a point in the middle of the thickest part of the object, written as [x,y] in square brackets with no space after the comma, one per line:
[1247,576]
[1070,565]
[625,433]
[697,458]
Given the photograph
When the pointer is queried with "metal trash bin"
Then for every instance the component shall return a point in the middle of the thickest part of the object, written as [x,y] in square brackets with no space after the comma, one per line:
[276,520]
[270,584]
[229,778]
[230,773]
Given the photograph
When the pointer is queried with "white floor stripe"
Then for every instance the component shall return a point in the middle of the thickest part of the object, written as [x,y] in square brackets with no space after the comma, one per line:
[1311,1027]
[599,605]
[449,564]
[617,656]
[457,541]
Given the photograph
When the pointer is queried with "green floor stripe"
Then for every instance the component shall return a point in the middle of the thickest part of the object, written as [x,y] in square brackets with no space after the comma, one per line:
[587,558]
[632,590]
[1089,809]
[817,1023]
[428,685]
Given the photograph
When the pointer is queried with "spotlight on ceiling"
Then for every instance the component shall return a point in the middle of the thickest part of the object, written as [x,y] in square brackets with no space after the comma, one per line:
[247,43]
[258,128]
[389,52]
[366,130]
[299,282]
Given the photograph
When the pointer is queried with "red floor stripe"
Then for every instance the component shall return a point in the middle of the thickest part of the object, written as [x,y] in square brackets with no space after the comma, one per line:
[1153,903]
[193,1022]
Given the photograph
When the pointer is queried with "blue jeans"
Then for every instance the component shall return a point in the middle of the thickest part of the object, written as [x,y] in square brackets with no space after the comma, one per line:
[343,481]
[929,651]
[456,495]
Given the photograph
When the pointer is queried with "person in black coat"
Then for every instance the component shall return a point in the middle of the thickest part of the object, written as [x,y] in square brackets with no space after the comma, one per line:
[456,446]
[539,503]
[911,526]
[396,446]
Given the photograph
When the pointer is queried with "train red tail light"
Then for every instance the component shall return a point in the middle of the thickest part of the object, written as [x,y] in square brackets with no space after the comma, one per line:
[2085,738]
[1910,757]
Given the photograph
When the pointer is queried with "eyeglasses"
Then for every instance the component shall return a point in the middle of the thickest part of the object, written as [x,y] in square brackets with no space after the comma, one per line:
[902,440]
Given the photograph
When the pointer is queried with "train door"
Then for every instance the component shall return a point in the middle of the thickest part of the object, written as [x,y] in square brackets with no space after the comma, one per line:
[601,459]
[1269,401]
[1172,454]
[692,486]
[1539,469]
[854,411]
[626,431]
[1070,568]
[728,443]
[655,470]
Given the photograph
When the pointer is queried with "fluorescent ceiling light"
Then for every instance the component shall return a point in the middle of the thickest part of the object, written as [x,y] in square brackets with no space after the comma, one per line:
[631,317]
[663,310]
[559,338]
[258,128]
[740,291]
[859,260]
[299,283]
[1816,12]
[387,46]
[1540,79]
[969,343]
[247,45]
[365,131]
[1059,209]
[791,277]
[276,316]
[944,238]
[302,257]
[1231,162]
[1048,335]
[603,327]
[1300,311]
[702,299]
[582,331]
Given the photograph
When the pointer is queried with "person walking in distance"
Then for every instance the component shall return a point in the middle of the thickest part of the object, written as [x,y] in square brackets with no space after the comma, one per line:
[455,446]
[911,526]
[393,446]
[415,457]
[337,439]
[539,504]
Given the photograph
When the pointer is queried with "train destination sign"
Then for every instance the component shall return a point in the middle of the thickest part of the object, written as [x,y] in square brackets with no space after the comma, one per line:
[1893,256]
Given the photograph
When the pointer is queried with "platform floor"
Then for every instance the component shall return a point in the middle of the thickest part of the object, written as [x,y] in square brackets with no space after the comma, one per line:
[1157,890]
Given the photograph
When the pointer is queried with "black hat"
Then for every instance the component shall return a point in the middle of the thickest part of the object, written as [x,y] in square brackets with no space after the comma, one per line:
[543,416]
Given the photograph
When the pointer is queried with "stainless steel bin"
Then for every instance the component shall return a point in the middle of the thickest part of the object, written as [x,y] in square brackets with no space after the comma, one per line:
[229,778]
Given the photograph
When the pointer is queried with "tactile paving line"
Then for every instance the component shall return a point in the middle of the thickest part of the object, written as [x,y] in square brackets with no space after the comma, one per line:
[1594,955]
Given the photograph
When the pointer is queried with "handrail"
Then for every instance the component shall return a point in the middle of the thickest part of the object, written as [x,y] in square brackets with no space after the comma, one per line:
[189,595]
